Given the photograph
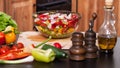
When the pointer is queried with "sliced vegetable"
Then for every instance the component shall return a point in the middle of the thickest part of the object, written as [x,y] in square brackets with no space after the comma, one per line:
[4,49]
[10,55]
[59,53]
[43,55]
[23,60]
[15,51]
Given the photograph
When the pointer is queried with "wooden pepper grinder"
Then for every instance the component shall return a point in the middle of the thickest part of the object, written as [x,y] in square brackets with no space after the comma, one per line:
[90,40]
[77,51]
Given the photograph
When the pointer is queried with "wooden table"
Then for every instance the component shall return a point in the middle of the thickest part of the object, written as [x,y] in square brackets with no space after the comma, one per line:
[103,61]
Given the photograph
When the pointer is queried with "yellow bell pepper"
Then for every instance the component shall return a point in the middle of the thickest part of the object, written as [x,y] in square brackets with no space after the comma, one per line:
[10,37]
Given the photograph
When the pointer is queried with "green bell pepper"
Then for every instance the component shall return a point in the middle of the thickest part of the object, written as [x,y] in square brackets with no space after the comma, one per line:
[43,55]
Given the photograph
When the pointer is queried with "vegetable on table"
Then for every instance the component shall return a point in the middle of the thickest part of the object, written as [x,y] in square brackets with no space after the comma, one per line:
[23,60]
[59,52]
[12,53]
[2,38]
[10,37]
[43,55]
[57,45]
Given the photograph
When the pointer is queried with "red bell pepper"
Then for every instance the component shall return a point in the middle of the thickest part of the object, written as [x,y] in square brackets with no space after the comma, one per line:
[9,55]
[14,52]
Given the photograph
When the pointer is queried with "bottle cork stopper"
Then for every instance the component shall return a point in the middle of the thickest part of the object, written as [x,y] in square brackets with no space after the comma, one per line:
[108,3]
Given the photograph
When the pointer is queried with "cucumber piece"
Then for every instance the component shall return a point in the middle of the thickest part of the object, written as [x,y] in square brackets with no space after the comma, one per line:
[59,52]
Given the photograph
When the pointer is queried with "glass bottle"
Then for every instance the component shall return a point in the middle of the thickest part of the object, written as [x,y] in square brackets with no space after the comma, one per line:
[107,35]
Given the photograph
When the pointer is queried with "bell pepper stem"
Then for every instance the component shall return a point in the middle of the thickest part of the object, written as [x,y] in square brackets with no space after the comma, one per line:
[5,32]
[45,41]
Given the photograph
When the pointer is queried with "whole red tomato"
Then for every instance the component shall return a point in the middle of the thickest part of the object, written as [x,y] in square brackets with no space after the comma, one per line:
[57,45]
[2,38]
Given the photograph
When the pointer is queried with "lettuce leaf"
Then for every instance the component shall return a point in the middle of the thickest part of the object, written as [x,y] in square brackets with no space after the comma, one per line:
[6,20]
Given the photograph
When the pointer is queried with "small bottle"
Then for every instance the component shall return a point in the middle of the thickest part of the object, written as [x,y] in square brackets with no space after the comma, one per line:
[107,35]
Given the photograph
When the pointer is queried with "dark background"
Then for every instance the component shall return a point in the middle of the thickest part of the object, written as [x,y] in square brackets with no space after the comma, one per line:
[53,5]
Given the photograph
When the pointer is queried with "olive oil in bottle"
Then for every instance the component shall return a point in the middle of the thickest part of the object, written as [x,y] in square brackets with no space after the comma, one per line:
[106,43]
[107,35]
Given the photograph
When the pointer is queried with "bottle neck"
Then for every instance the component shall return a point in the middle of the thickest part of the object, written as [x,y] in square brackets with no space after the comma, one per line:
[108,14]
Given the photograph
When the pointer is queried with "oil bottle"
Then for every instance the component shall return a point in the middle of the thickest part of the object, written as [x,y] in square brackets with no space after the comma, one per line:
[107,35]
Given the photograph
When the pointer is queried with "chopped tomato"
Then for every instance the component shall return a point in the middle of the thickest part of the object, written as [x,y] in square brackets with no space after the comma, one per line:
[43,17]
[74,16]
[71,23]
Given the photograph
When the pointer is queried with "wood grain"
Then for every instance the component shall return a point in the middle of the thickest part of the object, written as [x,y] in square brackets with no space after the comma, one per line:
[1,5]
[87,7]
[21,11]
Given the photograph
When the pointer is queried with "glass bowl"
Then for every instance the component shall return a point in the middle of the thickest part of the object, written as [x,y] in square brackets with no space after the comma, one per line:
[58,24]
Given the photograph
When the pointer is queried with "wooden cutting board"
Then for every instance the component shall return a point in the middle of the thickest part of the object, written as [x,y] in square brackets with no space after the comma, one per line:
[33,37]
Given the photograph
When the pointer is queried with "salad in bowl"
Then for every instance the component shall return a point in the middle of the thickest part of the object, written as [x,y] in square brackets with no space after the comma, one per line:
[58,24]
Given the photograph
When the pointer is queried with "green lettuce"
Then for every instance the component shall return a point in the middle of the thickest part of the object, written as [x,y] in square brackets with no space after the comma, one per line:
[6,20]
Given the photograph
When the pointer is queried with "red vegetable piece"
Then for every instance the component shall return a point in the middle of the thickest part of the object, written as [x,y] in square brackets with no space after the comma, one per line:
[43,17]
[4,49]
[57,45]
[2,38]
[13,55]
[15,48]
[20,45]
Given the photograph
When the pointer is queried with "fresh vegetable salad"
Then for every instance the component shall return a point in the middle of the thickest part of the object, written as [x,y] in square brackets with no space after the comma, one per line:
[59,24]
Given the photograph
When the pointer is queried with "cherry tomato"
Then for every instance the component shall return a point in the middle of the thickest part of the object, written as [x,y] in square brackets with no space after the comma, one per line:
[20,45]
[57,45]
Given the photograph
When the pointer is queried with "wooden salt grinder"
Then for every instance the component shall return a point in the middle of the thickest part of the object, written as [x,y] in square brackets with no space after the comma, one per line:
[77,51]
